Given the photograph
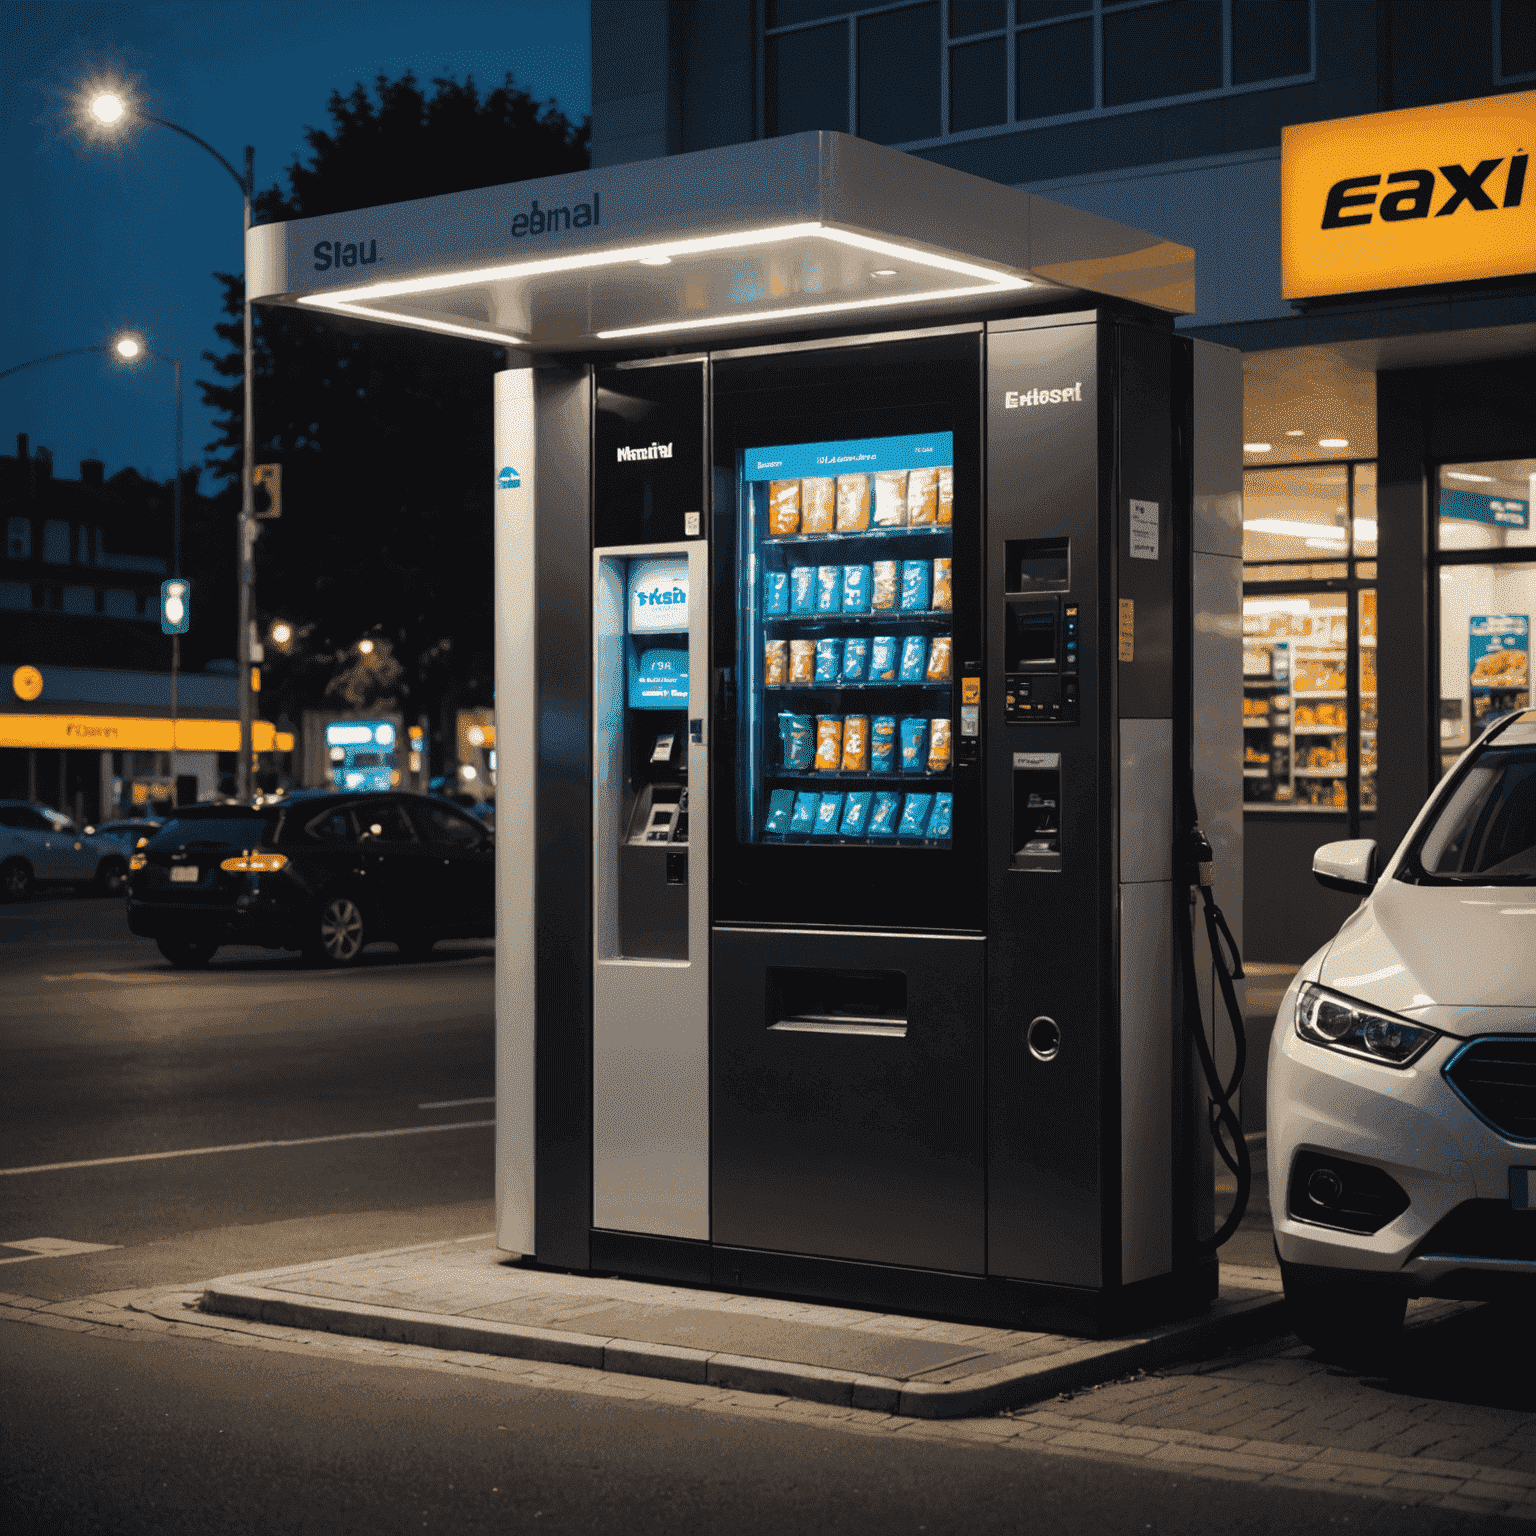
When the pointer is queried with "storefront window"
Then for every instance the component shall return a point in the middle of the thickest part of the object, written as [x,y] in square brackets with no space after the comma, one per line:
[1296,513]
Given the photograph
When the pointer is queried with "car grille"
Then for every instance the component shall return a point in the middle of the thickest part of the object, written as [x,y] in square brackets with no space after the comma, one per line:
[1496,1077]
[1482,1229]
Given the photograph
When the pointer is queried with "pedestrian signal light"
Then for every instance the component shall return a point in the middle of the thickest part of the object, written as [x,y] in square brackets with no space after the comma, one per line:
[269,478]
[176,606]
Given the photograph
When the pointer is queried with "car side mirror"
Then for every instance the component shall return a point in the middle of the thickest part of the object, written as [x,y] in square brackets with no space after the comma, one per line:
[1348,866]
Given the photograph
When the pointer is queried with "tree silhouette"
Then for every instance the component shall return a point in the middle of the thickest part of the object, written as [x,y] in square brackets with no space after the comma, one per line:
[384,435]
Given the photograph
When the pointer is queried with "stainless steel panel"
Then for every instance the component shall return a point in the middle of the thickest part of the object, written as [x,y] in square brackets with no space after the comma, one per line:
[1218,445]
[1146,800]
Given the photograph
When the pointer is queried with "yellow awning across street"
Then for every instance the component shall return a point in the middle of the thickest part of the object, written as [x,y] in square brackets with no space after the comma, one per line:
[126,733]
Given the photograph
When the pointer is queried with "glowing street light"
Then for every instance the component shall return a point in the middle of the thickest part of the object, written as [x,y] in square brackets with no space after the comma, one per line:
[108,108]
[366,647]
[281,633]
[129,346]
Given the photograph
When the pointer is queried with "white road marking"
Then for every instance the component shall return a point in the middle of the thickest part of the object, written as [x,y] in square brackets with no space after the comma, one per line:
[455,1103]
[247,1146]
[50,1248]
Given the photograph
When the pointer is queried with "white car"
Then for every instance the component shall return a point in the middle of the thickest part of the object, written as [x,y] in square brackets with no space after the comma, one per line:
[41,846]
[1402,1070]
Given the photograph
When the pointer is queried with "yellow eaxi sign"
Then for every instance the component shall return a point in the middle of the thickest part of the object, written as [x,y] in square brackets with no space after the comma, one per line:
[1398,199]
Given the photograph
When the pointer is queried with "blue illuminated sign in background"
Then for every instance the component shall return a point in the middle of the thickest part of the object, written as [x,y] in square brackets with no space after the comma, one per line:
[1469,507]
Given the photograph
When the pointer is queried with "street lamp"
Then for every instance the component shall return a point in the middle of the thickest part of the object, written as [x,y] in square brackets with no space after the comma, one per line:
[113,110]
[281,633]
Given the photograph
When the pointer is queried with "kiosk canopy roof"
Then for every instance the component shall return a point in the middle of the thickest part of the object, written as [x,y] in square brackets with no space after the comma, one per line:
[774,235]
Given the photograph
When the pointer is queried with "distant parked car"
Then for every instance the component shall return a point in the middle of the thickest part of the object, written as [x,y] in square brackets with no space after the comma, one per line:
[127,835]
[322,873]
[1402,1074]
[42,846]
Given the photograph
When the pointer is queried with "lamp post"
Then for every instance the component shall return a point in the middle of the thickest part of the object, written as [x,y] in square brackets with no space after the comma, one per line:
[113,110]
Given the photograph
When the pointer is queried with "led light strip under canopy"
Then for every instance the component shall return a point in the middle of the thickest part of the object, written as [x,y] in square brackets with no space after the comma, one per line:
[360,301]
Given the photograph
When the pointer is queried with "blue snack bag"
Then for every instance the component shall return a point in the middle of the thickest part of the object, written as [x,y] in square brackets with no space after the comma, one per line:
[914,658]
[882,744]
[882,820]
[855,658]
[856,589]
[914,815]
[802,589]
[914,744]
[943,811]
[855,812]
[916,584]
[803,818]
[780,804]
[828,814]
[829,660]
[775,592]
[829,588]
[798,733]
[882,659]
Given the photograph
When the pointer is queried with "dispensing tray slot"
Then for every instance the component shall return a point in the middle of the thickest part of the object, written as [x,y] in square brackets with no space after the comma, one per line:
[809,1001]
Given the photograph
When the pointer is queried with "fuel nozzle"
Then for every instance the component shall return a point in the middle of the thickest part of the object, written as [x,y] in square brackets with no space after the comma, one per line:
[1199,861]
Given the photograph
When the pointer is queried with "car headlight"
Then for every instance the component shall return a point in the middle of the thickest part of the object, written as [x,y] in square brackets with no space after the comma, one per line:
[1342,1024]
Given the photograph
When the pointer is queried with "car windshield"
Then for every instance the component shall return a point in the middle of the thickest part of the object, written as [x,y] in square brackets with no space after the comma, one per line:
[1484,831]
[226,829]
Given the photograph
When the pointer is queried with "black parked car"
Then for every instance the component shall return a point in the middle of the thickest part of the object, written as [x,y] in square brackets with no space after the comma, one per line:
[325,874]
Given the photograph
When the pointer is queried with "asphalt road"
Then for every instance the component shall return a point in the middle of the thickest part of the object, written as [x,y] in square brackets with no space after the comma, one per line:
[107,1053]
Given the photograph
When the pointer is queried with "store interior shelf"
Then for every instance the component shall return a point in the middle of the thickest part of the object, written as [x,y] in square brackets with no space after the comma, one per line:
[875,616]
[1255,773]
[779,689]
[1320,693]
[1320,730]
[834,778]
[1338,771]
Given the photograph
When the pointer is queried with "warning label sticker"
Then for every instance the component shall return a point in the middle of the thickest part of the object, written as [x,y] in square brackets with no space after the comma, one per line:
[1127,629]
[1143,530]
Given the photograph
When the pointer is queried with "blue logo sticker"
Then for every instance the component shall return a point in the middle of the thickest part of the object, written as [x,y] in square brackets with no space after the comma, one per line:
[507,479]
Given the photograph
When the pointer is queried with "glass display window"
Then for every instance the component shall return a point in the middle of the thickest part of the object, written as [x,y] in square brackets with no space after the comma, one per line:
[1296,512]
[1486,506]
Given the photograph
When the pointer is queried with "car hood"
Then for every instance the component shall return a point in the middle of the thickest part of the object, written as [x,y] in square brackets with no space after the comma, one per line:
[1413,947]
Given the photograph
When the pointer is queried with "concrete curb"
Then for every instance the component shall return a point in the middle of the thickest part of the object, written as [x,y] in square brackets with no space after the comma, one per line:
[1082,1364]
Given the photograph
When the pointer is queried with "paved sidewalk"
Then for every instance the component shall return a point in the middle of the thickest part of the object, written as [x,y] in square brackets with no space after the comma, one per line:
[462,1296]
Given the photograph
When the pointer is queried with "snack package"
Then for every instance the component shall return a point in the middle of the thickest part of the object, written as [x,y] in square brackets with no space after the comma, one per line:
[914,742]
[939,654]
[884,584]
[775,592]
[775,663]
[914,658]
[818,502]
[799,740]
[882,659]
[855,658]
[856,744]
[890,499]
[938,744]
[942,815]
[855,812]
[922,497]
[781,805]
[803,818]
[802,589]
[883,817]
[946,494]
[855,589]
[802,662]
[829,743]
[829,589]
[829,661]
[783,507]
[916,585]
[943,598]
[828,814]
[882,744]
[852,503]
[914,816]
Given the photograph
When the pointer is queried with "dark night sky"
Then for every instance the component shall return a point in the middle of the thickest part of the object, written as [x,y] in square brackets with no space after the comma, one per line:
[99,237]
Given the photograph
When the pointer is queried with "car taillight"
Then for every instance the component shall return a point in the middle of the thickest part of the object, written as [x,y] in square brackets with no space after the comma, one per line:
[138,861]
[255,863]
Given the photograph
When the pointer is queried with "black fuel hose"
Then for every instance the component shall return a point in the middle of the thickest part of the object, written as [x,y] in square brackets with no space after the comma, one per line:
[1200,867]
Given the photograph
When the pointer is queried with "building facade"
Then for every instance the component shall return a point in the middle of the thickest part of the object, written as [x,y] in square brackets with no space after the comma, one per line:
[1389,412]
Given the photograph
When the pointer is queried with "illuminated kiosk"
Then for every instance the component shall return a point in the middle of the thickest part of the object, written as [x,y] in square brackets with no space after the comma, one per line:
[836,930]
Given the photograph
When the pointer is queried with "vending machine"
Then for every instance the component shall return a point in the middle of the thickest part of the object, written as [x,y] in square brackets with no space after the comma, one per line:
[868,552]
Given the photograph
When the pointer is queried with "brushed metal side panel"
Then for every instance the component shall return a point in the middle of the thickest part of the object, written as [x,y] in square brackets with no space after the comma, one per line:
[1146,800]
[516,831]
[1148,1063]
[1218,450]
[650,1018]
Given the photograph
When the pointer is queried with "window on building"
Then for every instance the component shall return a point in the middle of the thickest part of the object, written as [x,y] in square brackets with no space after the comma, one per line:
[1486,594]
[1309,639]
[913,74]
[56,542]
[15,596]
[79,600]
[18,538]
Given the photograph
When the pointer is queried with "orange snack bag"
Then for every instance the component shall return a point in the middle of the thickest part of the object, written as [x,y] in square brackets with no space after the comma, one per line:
[891,498]
[938,745]
[775,663]
[852,503]
[783,507]
[802,661]
[922,497]
[829,742]
[938,659]
[886,584]
[947,494]
[856,744]
[942,593]
[818,501]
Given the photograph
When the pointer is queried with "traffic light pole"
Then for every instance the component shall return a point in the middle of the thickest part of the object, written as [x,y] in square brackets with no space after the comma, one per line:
[175,569]
[246,539]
